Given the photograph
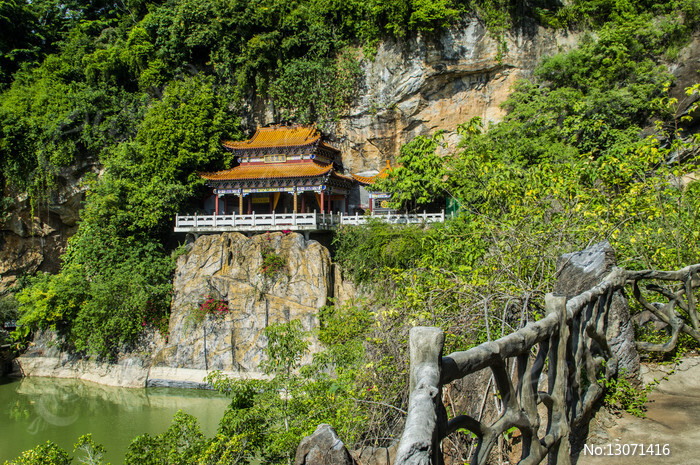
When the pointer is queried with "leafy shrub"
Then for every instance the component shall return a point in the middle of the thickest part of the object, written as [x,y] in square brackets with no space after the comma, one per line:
[364,251]
[43,454]
[103,295]
[8,308]
[620,395]
[272,263]
[179,444]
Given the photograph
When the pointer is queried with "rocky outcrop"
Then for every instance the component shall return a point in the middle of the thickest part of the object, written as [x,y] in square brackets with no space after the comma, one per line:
[33,239]
[228,267]
[580,271]
[323,448]
[29,245]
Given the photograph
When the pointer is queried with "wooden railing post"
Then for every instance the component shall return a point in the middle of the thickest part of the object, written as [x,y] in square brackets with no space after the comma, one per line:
[420,442]
[558,382]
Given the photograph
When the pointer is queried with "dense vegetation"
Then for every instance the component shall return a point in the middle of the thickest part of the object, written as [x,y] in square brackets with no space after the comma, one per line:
[149,89]
[594,148]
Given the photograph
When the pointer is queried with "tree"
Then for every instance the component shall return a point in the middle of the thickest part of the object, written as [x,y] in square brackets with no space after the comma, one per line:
[419,177]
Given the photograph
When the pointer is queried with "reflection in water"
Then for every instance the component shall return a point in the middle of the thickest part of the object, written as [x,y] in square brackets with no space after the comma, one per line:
[34,410]
[57,408]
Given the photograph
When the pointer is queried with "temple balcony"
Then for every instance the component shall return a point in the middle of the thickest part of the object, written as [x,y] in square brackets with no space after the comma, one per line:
[305,222]
[395,218]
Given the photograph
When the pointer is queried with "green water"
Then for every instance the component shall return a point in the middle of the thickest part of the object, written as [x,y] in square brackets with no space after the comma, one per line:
[34,410]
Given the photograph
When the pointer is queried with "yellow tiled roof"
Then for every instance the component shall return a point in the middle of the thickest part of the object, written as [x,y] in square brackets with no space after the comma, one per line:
[271,170]
[383,174]
[277,136]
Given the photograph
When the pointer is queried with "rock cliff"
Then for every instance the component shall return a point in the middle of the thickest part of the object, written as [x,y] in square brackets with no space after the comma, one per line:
[33,240]
[420,85]
[228,267]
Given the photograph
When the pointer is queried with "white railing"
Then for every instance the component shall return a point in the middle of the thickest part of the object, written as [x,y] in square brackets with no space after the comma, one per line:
[254,220]
[291,221]
[396,218]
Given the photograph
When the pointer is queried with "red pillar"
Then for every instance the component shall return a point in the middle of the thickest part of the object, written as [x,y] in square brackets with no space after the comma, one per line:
[303,203]
[323,203]
[225,204]
[250,204]
[370,204]
[216,203]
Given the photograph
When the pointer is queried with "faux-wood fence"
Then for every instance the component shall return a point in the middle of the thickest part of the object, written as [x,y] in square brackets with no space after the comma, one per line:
[570,341]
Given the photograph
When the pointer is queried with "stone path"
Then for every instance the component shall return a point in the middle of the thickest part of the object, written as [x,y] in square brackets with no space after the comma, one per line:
[672,418]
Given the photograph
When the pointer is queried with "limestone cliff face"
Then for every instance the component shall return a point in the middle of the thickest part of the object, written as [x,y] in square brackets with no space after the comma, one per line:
[418,86]
[229,267]
[35,243]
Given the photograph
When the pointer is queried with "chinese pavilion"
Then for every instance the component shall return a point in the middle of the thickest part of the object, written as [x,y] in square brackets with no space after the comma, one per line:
[281,169]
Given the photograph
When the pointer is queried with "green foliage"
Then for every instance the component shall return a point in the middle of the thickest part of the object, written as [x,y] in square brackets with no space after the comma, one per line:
[150,179]
[620,395]
[49,302]
[43,454]
[8,308]
[91,452]
[418,178]
[365,250]
[107,288]
[17,40]
[311,90]
[267,419]
[286,345]
[272,263]
[180,444]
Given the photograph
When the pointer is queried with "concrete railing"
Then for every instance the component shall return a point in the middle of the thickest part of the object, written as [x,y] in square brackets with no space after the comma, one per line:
[570,341]
[397,218]
[292,221]
[256,221]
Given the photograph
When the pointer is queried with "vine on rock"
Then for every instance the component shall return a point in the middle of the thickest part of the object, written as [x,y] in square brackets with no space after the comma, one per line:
[273,263]
[217,308]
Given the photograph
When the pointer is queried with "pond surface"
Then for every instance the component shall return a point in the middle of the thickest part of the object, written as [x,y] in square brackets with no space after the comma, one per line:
[34,410]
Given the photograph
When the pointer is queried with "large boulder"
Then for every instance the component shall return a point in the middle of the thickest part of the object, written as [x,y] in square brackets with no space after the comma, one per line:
[323,448]
[580,271]
[229,267]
